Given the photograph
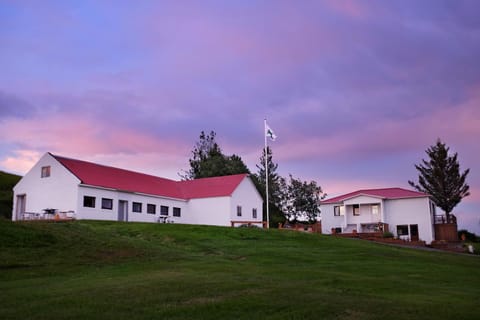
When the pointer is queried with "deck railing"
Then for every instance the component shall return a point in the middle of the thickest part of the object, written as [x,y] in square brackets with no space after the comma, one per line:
[47,215]
[443,219]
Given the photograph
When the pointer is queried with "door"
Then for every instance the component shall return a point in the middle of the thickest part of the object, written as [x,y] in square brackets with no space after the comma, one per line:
[122,210]
[20,207]
[414,232]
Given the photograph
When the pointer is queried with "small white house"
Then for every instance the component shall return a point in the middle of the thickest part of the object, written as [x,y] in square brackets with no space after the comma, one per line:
[62,188]
[407,214]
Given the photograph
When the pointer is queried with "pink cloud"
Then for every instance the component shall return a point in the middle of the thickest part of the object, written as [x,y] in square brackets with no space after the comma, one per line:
[456,125]
[20,161]
[74,133]
[81,137]
[474,196]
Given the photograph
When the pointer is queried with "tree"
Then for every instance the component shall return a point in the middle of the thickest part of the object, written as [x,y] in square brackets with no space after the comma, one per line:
[274,190]
[274,187]
[440,177]
[301,200]
[7,182]
[209,161]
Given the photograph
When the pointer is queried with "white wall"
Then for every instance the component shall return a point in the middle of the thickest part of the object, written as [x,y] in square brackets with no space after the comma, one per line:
[410,211]
[58,191]
[210,211]
[98,213]
[222,210]
[246,196]
[330,221]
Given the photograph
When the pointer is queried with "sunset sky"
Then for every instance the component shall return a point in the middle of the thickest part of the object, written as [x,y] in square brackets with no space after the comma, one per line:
[354,90]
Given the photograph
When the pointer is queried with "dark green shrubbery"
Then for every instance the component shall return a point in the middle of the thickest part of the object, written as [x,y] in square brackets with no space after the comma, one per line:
[469,236]
[387,234]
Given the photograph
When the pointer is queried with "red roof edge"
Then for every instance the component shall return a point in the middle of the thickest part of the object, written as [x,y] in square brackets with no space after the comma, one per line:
[384,193]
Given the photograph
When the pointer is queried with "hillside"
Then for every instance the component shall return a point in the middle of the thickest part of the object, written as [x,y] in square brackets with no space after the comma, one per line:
[7,182]
[111,270]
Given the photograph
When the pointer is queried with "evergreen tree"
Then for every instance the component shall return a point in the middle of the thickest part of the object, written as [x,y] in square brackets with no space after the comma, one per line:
[440,177]
[274,188]
[209,161]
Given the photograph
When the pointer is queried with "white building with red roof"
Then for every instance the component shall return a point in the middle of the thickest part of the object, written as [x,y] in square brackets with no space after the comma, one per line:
[62,188]
[407,214]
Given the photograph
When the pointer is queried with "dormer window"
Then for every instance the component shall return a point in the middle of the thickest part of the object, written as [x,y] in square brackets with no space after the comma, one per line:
[45,172]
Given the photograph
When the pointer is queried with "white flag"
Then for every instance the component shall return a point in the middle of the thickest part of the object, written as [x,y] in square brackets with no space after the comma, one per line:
[269,132]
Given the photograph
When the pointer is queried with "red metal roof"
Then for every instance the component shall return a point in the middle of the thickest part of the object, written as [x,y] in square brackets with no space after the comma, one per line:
[210,187]
[119,179]
[385,193]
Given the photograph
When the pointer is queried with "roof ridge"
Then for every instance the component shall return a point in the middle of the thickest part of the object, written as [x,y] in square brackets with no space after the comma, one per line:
[110,167]
[389,188]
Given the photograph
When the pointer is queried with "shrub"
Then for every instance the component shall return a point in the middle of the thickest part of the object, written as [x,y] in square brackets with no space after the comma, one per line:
[469,236]
[387,234]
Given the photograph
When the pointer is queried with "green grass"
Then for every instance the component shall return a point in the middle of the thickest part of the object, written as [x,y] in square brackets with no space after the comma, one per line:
[109,270]
[7,182]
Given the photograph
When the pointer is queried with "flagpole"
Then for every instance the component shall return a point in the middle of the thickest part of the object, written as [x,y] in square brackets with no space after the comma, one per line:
[266,171]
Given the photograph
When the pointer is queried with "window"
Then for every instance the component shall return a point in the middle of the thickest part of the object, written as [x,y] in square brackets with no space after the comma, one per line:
[89,202]
[176,212]
[107,203]
[239,211]
[45,172]
[402,230]
[356,209]
[375,208]
[136,207]
[151,208]
[338,210]
[254,213]
[163,210]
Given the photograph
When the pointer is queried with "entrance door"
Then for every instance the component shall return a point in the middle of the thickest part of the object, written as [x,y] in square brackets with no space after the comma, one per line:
[20,207]
[122,210]
[414,232]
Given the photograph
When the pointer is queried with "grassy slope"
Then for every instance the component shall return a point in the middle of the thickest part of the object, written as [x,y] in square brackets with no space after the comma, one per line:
[109,270]
[7,182]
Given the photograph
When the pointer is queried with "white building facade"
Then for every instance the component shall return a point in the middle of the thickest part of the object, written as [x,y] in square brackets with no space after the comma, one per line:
[408,214]
[58,187]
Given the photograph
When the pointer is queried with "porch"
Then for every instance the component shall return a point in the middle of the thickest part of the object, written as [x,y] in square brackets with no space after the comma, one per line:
[361,215]
[365,228]
[445,228]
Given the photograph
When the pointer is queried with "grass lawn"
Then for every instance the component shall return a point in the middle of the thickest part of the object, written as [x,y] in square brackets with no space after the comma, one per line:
[111,270]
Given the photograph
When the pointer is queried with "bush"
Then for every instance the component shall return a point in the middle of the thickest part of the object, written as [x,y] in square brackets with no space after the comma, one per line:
[387,234]
[248,226]
[469,236]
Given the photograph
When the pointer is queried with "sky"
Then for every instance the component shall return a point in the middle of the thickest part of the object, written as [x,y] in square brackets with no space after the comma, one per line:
[356,91]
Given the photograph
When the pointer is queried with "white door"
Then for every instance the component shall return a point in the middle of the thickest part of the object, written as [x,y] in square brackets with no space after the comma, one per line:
[122,210]
[20,207]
